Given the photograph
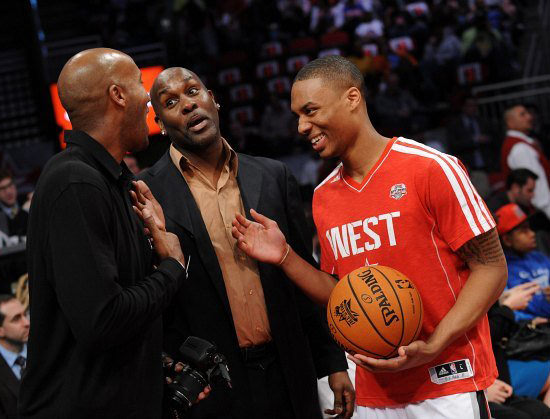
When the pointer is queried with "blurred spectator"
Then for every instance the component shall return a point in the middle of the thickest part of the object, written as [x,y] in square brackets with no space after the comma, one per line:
[396,107]
[14,333]
[521,151]
[520,189]
[448,50]
[525,263]
[22,291]
[369,28]
[13,219]
[278,126]
[469,138]
[502,395]
[481,40]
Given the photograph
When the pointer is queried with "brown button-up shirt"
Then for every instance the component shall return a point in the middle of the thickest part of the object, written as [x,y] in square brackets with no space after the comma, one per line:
[218,205]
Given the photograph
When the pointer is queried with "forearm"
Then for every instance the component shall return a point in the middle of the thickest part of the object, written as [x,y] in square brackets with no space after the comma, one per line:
[482,289]
[316,284]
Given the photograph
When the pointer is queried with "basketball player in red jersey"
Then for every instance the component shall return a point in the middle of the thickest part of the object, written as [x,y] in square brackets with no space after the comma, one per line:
[399,203]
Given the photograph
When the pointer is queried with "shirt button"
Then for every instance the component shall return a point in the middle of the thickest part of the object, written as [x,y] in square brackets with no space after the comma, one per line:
[250,292]
[258,329]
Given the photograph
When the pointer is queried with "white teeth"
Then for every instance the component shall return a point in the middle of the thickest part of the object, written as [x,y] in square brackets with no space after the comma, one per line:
[317,139]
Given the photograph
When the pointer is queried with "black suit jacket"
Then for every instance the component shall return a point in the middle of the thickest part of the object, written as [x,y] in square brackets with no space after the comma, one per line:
[9,391]
[201,307]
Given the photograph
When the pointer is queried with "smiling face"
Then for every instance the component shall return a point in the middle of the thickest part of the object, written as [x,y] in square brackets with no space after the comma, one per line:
[186,109]
[324,118]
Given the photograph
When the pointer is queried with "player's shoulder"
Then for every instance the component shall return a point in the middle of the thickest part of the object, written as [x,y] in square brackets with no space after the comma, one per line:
[70,167]
[330,181]
[417,157]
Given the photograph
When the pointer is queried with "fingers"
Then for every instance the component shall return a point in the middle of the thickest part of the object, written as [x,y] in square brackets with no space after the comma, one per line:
[374,365]
[241,220]
[350,404]
[150,224]
[337,403]
[239,227]
[360,363]
[262,219]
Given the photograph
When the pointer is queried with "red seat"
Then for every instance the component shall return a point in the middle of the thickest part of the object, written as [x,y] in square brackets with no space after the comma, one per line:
[302,45]
[334,39]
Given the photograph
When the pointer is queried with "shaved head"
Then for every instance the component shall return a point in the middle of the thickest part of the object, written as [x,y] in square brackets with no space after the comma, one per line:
[164,77]
[518,118]
[334,69]
[84,82]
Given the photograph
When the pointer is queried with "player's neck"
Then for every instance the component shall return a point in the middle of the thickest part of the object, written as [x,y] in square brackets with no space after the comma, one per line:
[360,158]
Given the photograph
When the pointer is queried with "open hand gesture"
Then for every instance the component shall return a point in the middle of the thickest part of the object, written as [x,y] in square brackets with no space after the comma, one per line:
[261,240]
[142,198]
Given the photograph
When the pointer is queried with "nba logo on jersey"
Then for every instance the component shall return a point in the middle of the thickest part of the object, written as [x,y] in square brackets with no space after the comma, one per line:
[453,368]
[398,191]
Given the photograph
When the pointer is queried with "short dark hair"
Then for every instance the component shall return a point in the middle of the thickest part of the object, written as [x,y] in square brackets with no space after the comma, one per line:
[519,177]
[4,174]
[4,298]
[335,69]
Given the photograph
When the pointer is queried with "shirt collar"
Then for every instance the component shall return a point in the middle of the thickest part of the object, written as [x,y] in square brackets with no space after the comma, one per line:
[98,152]
[519,134]
[8,210]
[10,356]
[184,161]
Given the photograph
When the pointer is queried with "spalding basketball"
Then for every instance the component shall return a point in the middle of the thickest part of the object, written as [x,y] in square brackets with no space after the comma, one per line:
[373,311]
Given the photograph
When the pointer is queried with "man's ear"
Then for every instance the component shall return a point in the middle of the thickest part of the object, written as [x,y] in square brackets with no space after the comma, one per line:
[117,95]
[354,97]
[160,123]
[212,96]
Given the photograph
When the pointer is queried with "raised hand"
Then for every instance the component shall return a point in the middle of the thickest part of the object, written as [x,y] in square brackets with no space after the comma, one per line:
[142,198]
[165,244]
[261,240]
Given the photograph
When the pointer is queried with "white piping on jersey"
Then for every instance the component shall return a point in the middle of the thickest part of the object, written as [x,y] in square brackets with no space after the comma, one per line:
[370,177]
[478,198]
[336,170]
[450,177]
[454,297]
[485,220]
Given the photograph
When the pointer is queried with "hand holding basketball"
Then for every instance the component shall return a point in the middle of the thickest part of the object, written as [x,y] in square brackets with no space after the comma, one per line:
[415,354]
[261,240]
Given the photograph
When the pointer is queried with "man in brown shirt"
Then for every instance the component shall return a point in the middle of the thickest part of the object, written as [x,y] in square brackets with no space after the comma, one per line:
[275,339]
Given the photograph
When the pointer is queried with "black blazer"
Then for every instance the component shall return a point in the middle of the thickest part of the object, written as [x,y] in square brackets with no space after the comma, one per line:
[201,307]
[9,391]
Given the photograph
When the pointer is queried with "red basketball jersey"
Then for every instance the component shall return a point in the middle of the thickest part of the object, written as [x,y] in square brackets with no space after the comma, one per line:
[412,211]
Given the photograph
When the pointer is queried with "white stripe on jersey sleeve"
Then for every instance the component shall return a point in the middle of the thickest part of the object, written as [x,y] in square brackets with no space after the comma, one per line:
[329,177]
[450,177]
[483,217]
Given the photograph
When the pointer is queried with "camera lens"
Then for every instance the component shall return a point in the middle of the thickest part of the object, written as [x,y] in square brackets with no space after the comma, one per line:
[186,387]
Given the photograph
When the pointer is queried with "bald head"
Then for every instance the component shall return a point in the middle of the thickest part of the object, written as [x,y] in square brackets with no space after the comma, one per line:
[85,80]
[518,118]
[165,78]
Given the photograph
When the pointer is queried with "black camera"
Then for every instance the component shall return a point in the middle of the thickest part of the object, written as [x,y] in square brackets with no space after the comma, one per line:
[203,365]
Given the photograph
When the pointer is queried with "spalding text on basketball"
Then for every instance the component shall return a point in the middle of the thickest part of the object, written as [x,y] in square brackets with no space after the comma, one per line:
[388,313]
[350,239]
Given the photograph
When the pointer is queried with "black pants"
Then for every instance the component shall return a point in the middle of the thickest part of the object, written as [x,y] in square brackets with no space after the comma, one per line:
[520,408]
[269,396]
